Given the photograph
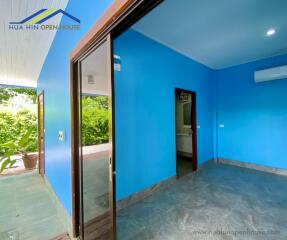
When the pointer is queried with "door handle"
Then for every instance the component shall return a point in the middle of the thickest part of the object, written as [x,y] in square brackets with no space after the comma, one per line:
[110,169]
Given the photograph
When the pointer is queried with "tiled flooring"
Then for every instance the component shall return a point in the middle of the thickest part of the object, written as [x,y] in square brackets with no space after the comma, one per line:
[96,192]
[219,202]
[96,180]
[184,166]
[95,187]
[26,209]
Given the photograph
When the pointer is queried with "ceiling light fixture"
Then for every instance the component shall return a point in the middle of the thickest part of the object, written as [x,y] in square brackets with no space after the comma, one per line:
[270,32]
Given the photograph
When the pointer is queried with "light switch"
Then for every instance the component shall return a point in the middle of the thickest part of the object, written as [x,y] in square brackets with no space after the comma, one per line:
[61,135]
[117,67]
[117,63]
[198,126]
[221,125]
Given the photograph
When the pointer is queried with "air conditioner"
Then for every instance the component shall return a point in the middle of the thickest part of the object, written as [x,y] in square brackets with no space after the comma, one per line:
[271,74]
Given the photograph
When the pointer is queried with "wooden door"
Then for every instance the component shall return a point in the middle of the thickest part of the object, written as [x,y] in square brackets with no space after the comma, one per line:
[41,133]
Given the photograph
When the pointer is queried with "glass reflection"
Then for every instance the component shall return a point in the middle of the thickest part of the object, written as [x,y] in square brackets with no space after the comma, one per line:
[96,122]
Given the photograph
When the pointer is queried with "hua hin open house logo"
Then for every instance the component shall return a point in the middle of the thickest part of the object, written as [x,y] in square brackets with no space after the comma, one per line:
[37,21]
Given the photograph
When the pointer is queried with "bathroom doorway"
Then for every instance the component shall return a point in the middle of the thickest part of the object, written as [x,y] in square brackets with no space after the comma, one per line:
[186,134]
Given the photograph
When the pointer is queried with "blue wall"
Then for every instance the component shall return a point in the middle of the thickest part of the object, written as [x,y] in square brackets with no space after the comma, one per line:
[55,80]
[145,111]
[254,115]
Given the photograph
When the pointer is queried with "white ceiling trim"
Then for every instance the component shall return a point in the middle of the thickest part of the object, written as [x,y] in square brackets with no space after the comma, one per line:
[197,60]
[172,47]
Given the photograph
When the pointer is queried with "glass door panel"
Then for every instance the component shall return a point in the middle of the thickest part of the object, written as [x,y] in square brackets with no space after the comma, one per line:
[96,144]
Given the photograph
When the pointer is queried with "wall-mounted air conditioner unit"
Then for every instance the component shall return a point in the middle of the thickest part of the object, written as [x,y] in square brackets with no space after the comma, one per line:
[271,74]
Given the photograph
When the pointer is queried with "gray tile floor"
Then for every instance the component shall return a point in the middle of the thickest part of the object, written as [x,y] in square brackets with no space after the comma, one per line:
[95,187]
[184,166]
[26,209]
[219,202]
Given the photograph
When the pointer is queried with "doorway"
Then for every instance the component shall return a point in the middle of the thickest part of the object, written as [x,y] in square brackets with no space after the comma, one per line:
[41,133]
[186,134]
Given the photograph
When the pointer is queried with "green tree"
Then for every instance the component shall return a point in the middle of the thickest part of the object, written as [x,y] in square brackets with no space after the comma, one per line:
[15,123]
[95,120]
[7,92]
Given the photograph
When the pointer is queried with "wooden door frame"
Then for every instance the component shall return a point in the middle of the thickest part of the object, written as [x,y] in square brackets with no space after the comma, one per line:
[41,167]
[193,127]
[119,16]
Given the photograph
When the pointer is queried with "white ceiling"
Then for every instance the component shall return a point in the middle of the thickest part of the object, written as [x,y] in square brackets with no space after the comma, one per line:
[95,67]
[22,53]
[219,33]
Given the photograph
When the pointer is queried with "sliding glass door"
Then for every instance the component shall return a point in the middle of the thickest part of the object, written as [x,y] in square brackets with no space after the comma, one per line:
[96,144]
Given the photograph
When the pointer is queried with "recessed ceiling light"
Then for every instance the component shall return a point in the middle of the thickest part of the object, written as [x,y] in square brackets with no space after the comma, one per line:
[270,32]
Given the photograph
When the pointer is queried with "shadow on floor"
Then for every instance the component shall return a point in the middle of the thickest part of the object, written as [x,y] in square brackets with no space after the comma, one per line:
[18,168]
[184,166]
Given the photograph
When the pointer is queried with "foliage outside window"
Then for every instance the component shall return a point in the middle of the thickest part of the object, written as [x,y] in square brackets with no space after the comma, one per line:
[18,114]
[95,120]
